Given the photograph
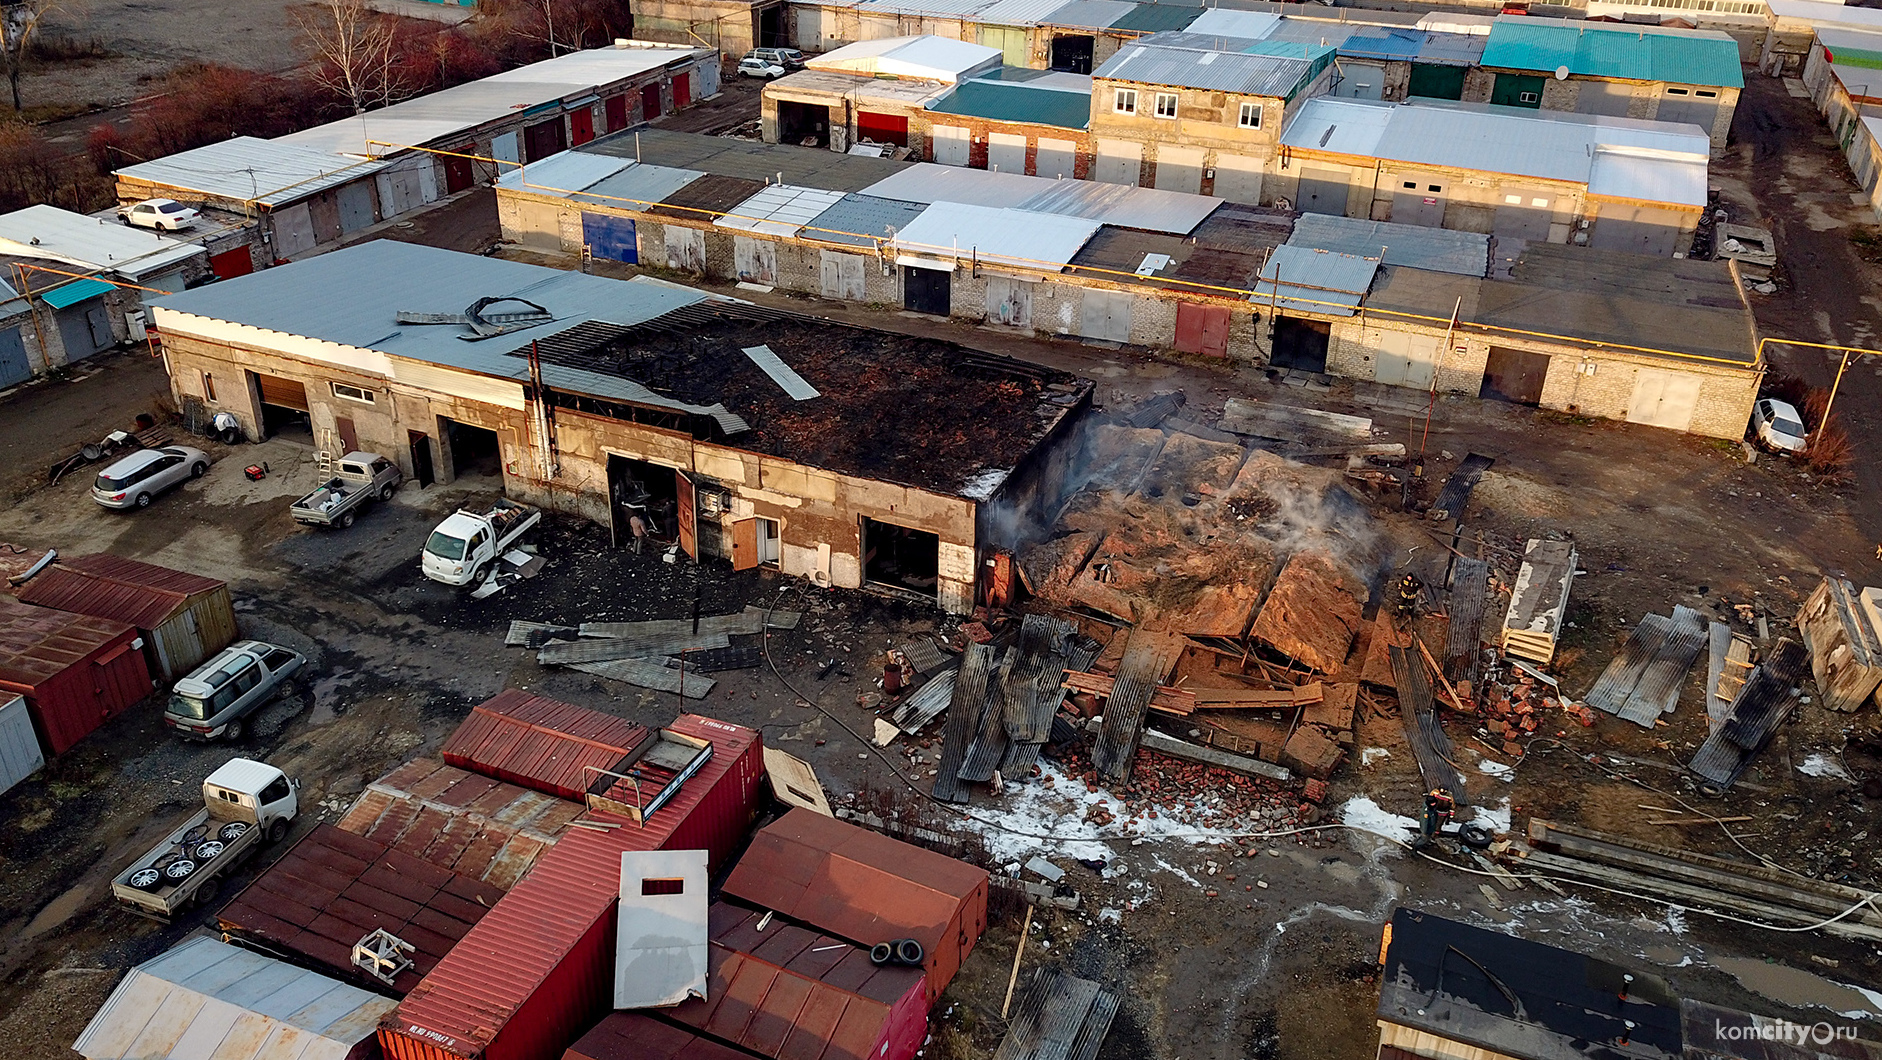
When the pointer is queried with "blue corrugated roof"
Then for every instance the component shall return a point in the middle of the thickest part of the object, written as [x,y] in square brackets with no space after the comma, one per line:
[1390,45]
[1017,101]
[75,292]
[1155,18]
[1639,53]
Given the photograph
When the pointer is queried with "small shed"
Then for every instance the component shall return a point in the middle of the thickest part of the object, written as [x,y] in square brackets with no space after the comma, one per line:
[1842,628]
[867,888]
[20,756]
[185,618]
[208,1000]
[76,671]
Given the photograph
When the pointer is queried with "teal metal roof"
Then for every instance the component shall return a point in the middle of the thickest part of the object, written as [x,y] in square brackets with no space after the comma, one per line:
[1155,18]
[1636,53]
[75,292]
[1017,101]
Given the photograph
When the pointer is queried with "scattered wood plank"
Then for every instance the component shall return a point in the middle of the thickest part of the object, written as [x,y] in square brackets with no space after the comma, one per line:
[1224,698]
[1703,820]
[1166,699]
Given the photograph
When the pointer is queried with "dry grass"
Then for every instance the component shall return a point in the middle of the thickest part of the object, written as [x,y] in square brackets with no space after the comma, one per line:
[1828,454]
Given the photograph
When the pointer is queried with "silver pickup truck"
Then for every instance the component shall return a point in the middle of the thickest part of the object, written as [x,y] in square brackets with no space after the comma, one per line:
[244,804]
[358,480]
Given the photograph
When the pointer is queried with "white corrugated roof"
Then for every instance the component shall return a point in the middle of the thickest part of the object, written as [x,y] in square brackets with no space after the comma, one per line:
[958,232]
[1549,144]
[1318,281]
[1650,176]
[1174,212]
[245,169]
[929,8]
[1222,22]
[1018,12]
[450,112]
[91,244]
[1452,22]
[1817,12]
[930,57]
[779,210]
[566,172]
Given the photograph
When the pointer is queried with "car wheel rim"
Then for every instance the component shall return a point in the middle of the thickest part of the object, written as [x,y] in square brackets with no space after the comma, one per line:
[145,878]
[177,870]
[231,831]
[210,851]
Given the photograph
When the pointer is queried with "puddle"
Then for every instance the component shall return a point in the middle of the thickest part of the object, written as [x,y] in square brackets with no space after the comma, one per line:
[327,695]
[1794,986]
[58,911]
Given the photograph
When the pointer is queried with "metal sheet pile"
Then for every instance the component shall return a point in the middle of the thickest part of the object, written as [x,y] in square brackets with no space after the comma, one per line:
[1643,681]
[666,655]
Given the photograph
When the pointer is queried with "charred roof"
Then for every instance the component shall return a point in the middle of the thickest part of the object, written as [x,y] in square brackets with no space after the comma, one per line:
[897,408]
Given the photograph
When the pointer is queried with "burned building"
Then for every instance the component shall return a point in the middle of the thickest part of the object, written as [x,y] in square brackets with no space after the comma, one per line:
[835,453]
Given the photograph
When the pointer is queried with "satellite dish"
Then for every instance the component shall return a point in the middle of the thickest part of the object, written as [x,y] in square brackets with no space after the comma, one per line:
[1561,73]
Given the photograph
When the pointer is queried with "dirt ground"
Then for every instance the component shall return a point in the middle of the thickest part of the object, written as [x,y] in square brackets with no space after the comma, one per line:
[146,39]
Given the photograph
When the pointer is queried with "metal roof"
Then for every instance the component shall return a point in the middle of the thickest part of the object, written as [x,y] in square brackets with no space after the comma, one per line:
[1553,145]
[1148,61]
[1155,18]
[637,185]
[1088,14]
[863,215]
[927,56]
[91,243]
[541,743]
[661,941]
[565,171]
[39,643]
[1018,101]
[1819,13]
[1391,45]
[926,8]
[1018,12]
[958,232]
[137,572]
[246,169]
[74,292]
[1115,204]
[472,825]
[632,1036]
[1414,246]
[1224,22]
[779,210]
[1634,52]
[724,156]
[1315,281]
[68,590]
[449,113]
[208,1000]
[375,281]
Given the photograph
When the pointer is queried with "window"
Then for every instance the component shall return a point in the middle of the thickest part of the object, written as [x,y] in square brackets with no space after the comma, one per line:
[1251,116]
[1166,104]
[1675,91]
[1513,200]
[1126,102]
[1703,94]
[352,393]
[1538,202]
[274,792]
[1411,185]
[209,387]
[1527,97]
[1433,187]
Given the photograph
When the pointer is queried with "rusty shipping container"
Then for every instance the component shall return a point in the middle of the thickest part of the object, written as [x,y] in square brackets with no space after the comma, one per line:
[201,624]
[540,743]
[76,672]
[865,887]
[632,1036]
[539,968]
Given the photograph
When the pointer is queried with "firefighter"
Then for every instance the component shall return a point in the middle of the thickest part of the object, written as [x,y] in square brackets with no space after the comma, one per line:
[1407,595]
[1440,807]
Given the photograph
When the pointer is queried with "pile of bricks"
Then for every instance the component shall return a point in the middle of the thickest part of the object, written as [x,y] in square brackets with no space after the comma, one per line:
[1514,714]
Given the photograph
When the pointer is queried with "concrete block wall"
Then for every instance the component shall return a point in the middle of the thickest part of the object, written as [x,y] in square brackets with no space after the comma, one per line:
[1354,345]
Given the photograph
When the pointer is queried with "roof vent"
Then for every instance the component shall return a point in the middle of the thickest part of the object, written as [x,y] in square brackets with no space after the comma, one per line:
[1328,135]
[383,954]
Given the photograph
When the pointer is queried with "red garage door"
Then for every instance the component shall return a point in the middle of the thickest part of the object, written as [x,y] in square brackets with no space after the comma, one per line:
[616,107]
[682,90]
[232,263]
[1202,329]
[649,102]
[882,128]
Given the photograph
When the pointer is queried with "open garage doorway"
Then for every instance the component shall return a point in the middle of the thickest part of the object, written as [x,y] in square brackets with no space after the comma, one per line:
[1300,345]
[804,124]
[476,451]
[659,496]
[901,558]
[283,408]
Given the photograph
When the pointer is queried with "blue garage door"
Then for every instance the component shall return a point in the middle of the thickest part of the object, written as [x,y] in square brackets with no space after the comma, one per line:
[14,367]
[611,238]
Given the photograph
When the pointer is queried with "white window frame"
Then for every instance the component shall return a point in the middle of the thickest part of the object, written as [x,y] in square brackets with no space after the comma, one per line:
[1171,98]
[1125,101]
[1249,110]
[359,394]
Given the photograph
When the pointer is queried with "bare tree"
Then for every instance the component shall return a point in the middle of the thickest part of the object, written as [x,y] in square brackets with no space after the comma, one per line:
[354,44]
[19,21]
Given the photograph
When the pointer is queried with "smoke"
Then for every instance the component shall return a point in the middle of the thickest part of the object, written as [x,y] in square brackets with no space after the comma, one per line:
[1324,517]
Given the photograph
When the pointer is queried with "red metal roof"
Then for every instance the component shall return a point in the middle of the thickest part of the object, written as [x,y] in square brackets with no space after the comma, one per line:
[790,992]
[38,643]
[137,572]
[632,1036]
[333,888]
[471,825]
[16,560]
[81,594]
[865,887]
[474,994]
[542,743]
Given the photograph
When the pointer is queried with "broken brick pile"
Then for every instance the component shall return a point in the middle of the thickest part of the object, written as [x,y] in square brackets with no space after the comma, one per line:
[1512,715]
[1168,789]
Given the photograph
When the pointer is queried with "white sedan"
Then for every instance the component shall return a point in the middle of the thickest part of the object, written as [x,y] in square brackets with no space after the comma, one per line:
[755,67]
[1776,424]
[161,214]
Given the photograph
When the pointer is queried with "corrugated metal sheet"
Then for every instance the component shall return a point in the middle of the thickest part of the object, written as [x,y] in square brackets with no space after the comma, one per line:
[20,756]
[1413,246]
[661,941]
[779,210]
[866,888]
[1766,698]
[1224,22]
[789,992]
[1633,52]
[1148,62]
[333,888]
[1147,661]
[927,57]
[853,218]
[928,8]
[637,185]
[1018,12]
[632,1036]
[535,971]
[1060,1017]
[91,243]
[1648,176]
[966,706]
[75,671]
[541,743]
[1017,101]
[272,173]
[959,233]
[137,572]
[1315,281]
[1113,204]
[70,294]
[68,590]
[1089,14]
[469,824]
[208,1000]
[1157,18]
[568,171]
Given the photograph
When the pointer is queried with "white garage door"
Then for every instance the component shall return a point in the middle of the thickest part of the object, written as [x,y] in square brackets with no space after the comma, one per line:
[1055,158]
[1238,179]
[1105,316]
[1006,153]
[1401,358]
[842,275]
[1179,169]
[1119,162]
[1009,301]
[950,145]
[1663,399]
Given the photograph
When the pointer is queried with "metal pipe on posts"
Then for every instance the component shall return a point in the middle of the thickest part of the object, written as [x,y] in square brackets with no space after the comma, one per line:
[1846,351]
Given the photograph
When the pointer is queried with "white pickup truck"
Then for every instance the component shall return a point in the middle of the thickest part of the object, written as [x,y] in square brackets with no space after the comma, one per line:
[358,480]
[244,803]
[463,549]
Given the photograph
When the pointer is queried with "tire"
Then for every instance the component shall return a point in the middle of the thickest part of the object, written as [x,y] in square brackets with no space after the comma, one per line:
[232,831]
[1475,836]
[147,879]
[908,951]
[480,572]
[231,435]
[233,730]
[143,500]
[179,870]
[346,520]
[881,953]
[276,830]
[209,850]
[199,469]
[206,893]
[386,491]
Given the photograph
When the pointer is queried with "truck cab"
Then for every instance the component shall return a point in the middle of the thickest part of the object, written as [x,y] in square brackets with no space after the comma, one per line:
[216,697]
[458,550]
[243,789]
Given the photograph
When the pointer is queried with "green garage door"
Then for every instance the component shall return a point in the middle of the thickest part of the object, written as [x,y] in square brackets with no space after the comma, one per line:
[1517,90]
[1437,82]
[1011,40]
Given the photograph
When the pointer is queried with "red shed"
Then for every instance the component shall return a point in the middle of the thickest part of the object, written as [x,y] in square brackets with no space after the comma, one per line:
[76,672]
[541,743]
[531,975]
[183,617]
[787,992]
[865,887]
[632,1036]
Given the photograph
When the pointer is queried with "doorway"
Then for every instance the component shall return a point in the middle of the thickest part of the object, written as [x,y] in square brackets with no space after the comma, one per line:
[636,487]
[1300,345]
[422,468]
[803,124]
[283,406]
[474,450]
[649,102]
[927,290]
[771,27]
[1072,53]
[901,558]
[1514,375]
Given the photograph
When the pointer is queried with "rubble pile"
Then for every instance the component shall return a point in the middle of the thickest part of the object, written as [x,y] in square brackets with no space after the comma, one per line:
[1170,791]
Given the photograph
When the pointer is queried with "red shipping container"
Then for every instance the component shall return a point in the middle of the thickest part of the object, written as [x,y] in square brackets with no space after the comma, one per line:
[542,744]
[632,1036]
[540,967]
[76,671]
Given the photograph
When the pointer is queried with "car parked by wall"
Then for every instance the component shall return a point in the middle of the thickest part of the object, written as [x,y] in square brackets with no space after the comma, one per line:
[136,480]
